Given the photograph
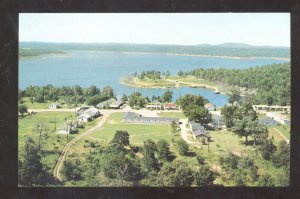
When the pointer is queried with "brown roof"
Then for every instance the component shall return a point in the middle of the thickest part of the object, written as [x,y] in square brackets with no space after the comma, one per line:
[170,105]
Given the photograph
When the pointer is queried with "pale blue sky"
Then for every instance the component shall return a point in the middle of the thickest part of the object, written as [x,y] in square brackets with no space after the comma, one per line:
[159,28]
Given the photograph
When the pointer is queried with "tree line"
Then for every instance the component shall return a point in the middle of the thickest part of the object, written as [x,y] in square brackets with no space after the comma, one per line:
[136,99]
[71,95]
[152,74]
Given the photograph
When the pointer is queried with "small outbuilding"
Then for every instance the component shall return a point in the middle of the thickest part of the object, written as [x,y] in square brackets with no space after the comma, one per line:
[66,128]
[170,106]
[198,131]
[154,106]
[84,118]
[54,106]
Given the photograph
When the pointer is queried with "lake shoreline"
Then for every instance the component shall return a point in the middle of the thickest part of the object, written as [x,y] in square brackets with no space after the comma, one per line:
[188,55]
[183,84]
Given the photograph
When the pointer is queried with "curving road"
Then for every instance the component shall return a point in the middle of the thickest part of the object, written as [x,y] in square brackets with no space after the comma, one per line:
[105,115]
[62,157]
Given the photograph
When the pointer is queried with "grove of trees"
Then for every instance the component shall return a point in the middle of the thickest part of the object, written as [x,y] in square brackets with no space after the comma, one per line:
[272,82]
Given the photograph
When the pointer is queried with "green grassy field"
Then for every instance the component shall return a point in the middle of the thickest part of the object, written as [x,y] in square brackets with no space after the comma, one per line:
[172,114]
[222,143]
[285,130]
[138,132]
[52,145]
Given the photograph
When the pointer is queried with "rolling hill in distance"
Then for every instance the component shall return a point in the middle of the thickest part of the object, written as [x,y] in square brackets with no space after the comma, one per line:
[226,49]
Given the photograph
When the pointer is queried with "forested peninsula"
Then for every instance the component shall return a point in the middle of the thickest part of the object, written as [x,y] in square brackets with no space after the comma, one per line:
[269,84]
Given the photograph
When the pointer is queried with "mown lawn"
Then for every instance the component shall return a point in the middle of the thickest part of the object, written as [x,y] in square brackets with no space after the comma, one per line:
[221,144]
[285,130]
[138,133]
[275,135]
[172,114]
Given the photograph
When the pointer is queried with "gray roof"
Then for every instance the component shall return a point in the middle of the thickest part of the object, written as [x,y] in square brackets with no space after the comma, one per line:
[132,115]
[117,103]
[266,119]
[106,102]
[198,129]
[196,126]
[200,132]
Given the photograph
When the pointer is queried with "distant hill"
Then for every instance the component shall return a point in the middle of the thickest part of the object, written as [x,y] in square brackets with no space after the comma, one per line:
[226,49]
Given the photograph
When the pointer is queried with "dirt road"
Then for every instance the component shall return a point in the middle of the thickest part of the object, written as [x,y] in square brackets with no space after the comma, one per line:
[58,166]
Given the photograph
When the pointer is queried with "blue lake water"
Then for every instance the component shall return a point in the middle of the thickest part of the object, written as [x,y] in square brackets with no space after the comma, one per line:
[108,68]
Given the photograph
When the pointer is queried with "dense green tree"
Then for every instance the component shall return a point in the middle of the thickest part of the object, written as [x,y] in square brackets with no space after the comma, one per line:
[178,174]
[39,98]
[117,165]
[92,91]
[108,91]
[163,150]
[78,90]
[174,127]
[258,131]
[71,170]
[198,114]
[149,160]
[22,109]
[229,162]
[227,113]
[283,177]
[30,169]
[167,96]
[282,156]
[121,137]
[265,180]
[267,149]
[136,100]
[189,99]
[200,160]
[204,176]
[234,96]
[241,128]
[182,147]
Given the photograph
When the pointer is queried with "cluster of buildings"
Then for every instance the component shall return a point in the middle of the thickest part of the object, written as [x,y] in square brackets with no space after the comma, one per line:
[111,103]
[84,114]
